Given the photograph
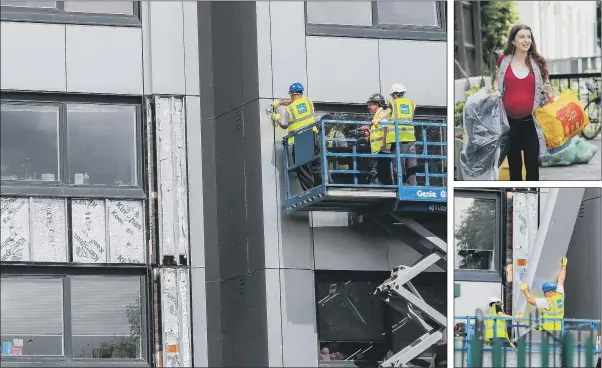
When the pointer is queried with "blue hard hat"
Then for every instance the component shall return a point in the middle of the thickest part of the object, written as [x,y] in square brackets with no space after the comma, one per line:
[295,88]
[548,286]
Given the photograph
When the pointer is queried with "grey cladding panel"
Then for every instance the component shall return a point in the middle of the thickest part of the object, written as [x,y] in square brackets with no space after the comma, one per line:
[191,47]
[264,49]
[288,42]
[399,64]
[342,69]
[195,181]
[227,55]
[361,247]
[167,47]
[198,302]
[231,211]
[32,57]
[299,333]
[249,52]
[104,59]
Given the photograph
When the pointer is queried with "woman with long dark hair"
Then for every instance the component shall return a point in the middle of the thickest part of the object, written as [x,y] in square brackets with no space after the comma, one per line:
[522,79]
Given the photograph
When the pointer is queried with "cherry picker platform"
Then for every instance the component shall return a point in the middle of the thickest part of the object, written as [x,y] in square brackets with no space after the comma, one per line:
[355,193]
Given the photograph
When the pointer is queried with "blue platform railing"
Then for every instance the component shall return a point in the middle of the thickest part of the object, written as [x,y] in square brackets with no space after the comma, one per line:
[357,152]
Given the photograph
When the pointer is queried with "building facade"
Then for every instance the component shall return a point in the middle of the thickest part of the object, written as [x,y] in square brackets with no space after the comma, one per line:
[142,174]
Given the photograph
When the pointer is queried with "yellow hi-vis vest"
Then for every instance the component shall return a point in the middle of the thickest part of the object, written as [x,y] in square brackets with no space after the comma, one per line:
[501,332]
[377,135]
[334,164]
[556,310]
[300,113]
[403,110]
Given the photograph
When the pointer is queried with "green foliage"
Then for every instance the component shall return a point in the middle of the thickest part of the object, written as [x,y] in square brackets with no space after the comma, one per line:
[474,234]
[459,108]
[497,18]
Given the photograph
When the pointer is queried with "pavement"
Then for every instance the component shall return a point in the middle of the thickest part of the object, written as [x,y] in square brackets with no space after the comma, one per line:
[590,171]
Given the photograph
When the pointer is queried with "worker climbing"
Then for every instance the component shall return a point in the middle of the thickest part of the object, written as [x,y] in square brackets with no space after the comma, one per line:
[552,304]
[401,109]
[377,133]
[496,328]
[299,114]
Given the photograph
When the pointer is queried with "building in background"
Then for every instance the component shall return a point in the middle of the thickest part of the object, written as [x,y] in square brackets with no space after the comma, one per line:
[142,181]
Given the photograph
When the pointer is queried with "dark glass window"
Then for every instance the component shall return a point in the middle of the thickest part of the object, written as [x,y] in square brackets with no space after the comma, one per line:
[475,233]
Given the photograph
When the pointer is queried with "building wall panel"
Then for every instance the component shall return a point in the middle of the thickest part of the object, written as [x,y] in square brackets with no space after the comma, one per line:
[126,229]
[32,57]
[104,59]
[49,229]
[15,229]
[89,231]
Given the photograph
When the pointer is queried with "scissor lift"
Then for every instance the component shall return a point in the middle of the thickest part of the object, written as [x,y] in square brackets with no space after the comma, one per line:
[360,196]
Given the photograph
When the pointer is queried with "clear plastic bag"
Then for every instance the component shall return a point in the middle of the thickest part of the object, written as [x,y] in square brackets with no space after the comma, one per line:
[486,128]
[575,151]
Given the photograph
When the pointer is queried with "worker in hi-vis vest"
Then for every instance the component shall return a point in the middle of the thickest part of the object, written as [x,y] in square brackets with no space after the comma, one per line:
[379,167]
[400,108]
[552,304]
[336,163]
[299,113]
[497,329]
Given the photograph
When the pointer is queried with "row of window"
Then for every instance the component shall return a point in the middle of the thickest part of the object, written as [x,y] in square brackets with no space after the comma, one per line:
[72,317]
[382,19]
[69,144]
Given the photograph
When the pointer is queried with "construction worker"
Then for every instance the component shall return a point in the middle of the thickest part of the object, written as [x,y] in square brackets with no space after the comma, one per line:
[400,108]
[379,167]
[300,113]
[497,328]
[333,131]
[552,304]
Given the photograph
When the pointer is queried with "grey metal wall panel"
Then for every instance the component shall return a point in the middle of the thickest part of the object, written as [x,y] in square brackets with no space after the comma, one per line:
[400,253]
[195,181]
[215,345]
[296,241]
[166,47]
[288,42]
[191,48]
[347,248]
[104,59]
[264,49]
[244,320]
[399,64]
[584,276]
[254,223]
[198,308]
[249,53]
[32,57]
[271,188]
[274,325]
[226,30]
[342,69]
[299,330]
[146,50]
[231,214]
[591,193]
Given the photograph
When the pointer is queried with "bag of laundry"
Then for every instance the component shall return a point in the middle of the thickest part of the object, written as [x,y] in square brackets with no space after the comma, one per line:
[486,130]
[561,119]
[575,151]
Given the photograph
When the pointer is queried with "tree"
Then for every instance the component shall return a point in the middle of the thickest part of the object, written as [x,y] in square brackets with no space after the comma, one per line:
[475,234]
[497,18]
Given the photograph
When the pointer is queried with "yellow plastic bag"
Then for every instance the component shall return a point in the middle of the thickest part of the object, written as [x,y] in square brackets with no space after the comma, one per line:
[562,119]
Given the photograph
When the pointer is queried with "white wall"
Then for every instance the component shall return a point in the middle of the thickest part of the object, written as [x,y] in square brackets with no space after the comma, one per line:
[475,295]
[562,29]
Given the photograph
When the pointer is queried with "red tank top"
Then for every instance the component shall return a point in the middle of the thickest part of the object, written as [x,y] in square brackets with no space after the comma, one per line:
[519,94]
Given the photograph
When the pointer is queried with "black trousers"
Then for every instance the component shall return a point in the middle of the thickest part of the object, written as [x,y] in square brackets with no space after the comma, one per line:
[381,168]
[305,174]
[523,139]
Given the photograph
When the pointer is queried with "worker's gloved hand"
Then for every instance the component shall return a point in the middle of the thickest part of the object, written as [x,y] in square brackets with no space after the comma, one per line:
[275,104]
[564,261]
[523,286]
[276,116]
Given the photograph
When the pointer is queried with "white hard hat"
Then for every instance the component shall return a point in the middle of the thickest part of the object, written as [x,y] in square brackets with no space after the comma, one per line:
[397,88]
[494,299]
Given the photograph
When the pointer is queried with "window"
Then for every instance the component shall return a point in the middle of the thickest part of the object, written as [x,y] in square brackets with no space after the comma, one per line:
[477,233]
[71,317]
[423,20]
[120,13]
[57,147]
[355,324]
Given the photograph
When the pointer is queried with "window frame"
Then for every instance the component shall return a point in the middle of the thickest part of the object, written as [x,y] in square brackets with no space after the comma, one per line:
[66,273]
[65,190]
[59,15]
[383,31]
[494,275]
